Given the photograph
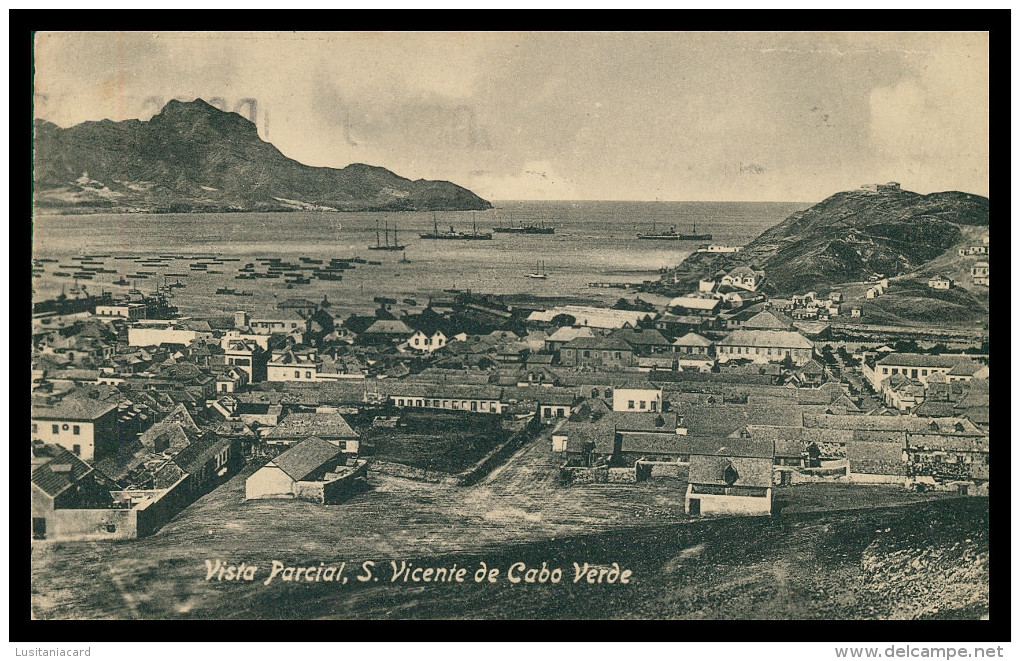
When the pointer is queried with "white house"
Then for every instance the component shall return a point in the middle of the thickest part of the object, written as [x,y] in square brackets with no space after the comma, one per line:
[309,460]
[428,340]
[645,397]
[744,277]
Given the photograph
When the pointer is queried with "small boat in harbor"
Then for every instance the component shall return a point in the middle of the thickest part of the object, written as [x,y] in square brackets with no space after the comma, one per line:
[226,290]
[539,274]
[371,263]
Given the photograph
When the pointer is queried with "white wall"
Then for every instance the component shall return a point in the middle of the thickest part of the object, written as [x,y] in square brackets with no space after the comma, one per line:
[652,399]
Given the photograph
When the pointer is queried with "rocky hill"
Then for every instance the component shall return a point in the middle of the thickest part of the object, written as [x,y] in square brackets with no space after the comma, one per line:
[851,236]
[194,157]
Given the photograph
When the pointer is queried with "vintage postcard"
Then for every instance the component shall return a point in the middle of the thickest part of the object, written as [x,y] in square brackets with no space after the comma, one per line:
[510,325]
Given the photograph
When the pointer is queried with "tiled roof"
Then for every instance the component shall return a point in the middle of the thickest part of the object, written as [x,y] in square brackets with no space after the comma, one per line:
[74,407]
[750,471]
[768,319]
[432,390]
[693,303]
[568,333]
[692,340]
[307,457]
[50,478]
[198,452]
[920,360]
[767,338]
[303,425]
[641,337]
[388,327]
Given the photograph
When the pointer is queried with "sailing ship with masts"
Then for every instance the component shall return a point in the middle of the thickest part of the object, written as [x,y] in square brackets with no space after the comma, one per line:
[474,235]
[672,234]
[386,245]
[539,274]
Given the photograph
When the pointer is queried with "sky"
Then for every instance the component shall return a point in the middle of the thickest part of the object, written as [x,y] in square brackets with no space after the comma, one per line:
[791,116]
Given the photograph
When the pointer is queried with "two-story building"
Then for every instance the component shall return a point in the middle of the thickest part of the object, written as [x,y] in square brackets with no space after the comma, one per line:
[597,352]
[765,346]
[82,422]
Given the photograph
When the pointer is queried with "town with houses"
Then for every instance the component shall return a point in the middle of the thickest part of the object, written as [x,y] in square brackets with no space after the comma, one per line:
[722,392]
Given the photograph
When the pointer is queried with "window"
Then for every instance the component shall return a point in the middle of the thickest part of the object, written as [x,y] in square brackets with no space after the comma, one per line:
[913,374]
[587,354]
[293,325]
[559,413]
[415,341]
[655,406]
[642,404]
[56,429]
[594,394]
[617,354]
[885,370]
[223,387]
[400,402]
[895,370]
[608,393]
[308,375]
[630,404]
[76,449]
[76,430]
[35,428]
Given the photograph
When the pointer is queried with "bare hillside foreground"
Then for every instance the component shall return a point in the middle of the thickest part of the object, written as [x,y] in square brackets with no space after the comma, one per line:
[906,556]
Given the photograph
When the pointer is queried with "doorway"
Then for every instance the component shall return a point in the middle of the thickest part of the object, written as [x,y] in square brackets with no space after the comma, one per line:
[694,507]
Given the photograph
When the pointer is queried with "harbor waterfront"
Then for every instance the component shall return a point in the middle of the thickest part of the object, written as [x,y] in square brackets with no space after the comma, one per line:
[594,242]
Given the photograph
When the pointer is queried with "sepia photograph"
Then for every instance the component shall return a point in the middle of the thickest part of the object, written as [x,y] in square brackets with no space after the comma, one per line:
[527,325]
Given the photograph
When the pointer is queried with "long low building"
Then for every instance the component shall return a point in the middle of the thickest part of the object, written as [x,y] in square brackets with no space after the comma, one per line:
[765,346]
[480,398]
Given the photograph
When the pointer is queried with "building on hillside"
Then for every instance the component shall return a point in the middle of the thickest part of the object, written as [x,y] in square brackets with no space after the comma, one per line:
[979,273]
[83,423]
[765,346]
[940,282]
[744,277]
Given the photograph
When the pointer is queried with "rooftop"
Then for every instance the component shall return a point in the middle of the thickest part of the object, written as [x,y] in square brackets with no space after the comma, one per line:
[307,457]
[302,425]
[767,338]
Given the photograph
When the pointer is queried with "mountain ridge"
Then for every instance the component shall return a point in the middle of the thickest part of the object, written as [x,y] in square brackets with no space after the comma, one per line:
[193,157]
[853,235]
